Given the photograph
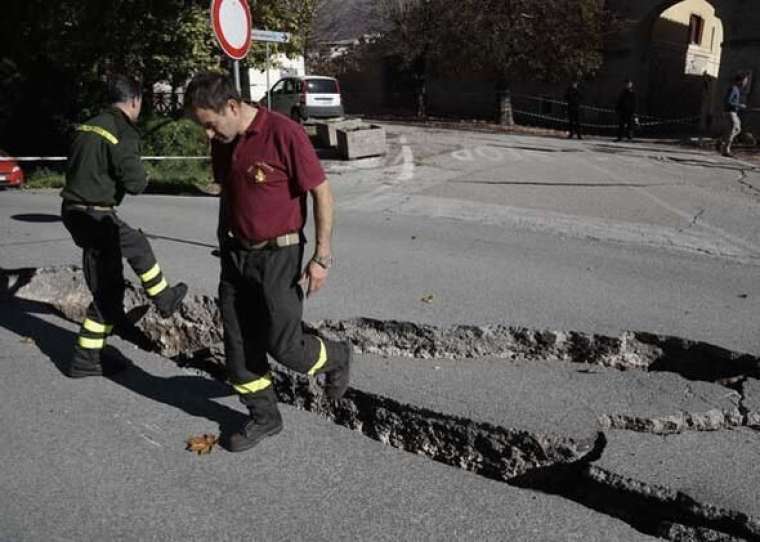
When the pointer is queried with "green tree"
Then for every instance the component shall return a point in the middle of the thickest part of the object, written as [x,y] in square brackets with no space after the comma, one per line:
[57,55]
[546,40]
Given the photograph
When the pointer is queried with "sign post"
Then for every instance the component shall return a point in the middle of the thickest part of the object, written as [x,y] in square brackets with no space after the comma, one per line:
[269,36]
[231,21]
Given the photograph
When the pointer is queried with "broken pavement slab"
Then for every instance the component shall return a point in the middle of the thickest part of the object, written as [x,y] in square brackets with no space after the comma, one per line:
[110,449]
[710,474]
[534,408]
[513,420]
[751,401]
[545,396]
[195,327]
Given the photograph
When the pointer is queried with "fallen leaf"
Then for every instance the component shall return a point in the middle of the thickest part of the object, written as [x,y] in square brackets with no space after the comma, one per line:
[202,444]
[428,298]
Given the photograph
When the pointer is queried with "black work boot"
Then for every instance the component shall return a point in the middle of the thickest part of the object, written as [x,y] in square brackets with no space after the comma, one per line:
[265,421]
[337,374]
[94,362]
[169,300]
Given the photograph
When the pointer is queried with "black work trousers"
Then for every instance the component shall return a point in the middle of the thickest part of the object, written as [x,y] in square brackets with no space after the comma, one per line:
[262,306]
[574,121]
[626,124]
[105,239]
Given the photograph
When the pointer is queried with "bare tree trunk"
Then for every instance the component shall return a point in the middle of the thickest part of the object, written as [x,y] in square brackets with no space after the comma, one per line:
[505,108]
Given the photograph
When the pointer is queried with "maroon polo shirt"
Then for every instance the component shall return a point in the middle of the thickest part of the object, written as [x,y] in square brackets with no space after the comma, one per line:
[265,175]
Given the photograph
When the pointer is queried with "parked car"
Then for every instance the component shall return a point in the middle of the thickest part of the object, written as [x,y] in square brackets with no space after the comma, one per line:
[10,172]
[307,97]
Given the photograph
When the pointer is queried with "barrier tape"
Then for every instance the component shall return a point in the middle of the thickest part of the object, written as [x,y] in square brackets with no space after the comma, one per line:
[564,121]
[655,121]
[563,103]
[64,158]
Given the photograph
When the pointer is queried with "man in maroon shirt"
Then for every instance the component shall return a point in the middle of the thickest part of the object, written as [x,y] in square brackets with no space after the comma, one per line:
[266,166]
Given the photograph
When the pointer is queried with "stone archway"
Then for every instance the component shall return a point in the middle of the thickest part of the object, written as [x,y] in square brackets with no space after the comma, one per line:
[629,53]
[681,64]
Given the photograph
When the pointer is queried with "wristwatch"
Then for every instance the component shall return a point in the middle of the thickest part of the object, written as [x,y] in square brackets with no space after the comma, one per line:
[323,261]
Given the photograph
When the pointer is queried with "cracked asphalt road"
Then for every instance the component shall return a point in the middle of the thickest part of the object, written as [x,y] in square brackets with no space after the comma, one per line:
[449,228]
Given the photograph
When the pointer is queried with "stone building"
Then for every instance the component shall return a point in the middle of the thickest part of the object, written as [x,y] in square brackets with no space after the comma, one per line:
[681,54]
[718,38]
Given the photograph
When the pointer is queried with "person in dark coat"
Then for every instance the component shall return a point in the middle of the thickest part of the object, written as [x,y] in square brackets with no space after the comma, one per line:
[626,110]
[103,166]
[573,97]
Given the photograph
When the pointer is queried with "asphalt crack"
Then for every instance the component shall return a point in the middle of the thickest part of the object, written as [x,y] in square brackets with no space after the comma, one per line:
[537,460]
[712,420]
[742,180]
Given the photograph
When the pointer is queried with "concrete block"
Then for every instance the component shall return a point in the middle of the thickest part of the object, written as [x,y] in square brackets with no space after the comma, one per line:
[327,131]
[360,142]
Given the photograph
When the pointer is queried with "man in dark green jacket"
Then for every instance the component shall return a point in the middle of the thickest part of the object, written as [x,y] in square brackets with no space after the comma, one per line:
[104,165]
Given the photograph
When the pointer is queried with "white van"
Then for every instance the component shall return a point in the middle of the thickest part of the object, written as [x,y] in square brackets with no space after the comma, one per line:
[307,97]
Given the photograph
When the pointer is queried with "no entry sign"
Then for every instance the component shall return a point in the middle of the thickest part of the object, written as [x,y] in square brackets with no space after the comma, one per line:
[231,20]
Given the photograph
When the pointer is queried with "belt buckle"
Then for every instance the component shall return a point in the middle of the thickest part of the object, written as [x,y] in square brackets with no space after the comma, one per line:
[287,239]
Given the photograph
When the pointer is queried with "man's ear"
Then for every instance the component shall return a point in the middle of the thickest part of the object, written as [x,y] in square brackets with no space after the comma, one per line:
[233,106]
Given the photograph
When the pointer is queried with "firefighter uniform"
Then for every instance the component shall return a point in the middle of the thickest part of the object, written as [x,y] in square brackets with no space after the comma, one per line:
[104,165]
[266,174]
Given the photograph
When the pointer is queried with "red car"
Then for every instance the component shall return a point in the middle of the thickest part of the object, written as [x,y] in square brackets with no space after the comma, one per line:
[10,172]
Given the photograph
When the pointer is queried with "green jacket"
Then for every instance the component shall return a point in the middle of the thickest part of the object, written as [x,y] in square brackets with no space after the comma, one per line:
[104,162]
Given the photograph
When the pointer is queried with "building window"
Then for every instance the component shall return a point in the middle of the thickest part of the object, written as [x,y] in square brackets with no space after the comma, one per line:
[696,27]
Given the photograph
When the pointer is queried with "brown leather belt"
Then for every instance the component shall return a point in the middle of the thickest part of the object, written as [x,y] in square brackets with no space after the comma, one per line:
[87,207]
[281,241]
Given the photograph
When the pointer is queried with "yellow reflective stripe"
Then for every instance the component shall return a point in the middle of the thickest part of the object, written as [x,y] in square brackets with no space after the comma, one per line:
[95,327]
[254,385]
[157,289]
[109,329]
[321,360]
[150,274]
[91,344]
[102,132]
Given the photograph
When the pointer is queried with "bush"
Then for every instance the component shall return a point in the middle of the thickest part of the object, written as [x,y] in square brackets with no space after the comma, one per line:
[161,136]
[45,178]
[165,136]
[177,176]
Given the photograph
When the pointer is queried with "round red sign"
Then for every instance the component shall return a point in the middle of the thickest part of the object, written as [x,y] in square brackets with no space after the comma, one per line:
[231,21]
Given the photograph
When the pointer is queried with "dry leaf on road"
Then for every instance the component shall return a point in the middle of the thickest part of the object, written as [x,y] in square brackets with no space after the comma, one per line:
[202,444]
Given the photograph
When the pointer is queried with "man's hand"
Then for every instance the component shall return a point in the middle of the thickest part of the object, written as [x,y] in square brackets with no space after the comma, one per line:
[313,278]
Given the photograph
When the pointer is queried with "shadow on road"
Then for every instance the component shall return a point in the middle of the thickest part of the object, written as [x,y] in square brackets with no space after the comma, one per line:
[36,217]
[191,394]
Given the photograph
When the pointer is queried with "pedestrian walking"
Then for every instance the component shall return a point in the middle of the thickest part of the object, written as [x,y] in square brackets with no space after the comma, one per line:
[104,165]
[733,105]
[574,97]
[266,167]
[626,110]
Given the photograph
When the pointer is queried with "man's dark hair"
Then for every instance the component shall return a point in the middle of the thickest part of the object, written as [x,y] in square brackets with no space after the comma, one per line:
[210,90]
[122,89]
[740,77]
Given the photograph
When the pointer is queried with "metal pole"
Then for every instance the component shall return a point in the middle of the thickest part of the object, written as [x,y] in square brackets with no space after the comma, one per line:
[237,75]
[269,94]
